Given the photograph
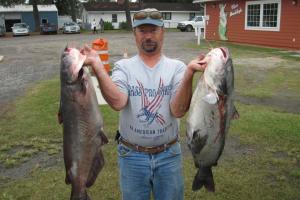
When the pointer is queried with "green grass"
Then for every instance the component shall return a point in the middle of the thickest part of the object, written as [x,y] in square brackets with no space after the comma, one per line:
[268,170]
[264,163]
[244,50]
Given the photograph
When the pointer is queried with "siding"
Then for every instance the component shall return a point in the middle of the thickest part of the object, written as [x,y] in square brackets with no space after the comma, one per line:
[27,17]
[51,16]
[287,37]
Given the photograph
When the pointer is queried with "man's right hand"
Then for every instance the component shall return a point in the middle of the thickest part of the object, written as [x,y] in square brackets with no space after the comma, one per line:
[92,58]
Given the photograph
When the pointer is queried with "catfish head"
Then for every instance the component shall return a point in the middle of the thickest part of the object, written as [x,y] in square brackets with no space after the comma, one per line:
[215,73]
[72,66]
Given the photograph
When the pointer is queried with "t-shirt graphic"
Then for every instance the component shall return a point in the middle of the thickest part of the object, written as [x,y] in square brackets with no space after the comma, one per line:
[150,108]
[147,120]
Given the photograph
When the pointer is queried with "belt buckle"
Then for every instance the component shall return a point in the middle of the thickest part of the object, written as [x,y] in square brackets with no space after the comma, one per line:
[165,147]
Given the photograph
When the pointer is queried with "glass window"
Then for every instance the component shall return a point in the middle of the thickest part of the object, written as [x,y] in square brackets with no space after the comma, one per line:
[270,15]
[192,15]
[114,18]
[44,21]
[263,15]
[167,15]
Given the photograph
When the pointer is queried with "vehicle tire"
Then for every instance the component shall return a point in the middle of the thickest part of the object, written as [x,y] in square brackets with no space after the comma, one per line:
[182,30]
[188,28]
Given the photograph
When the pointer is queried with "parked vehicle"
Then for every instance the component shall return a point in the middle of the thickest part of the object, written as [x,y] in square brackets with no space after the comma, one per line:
[71,27]
[191,24]
[48,28]
[20,29]
[2,30]
[62,20]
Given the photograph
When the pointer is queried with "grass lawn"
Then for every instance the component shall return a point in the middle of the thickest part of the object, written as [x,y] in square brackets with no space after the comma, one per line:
[262,160]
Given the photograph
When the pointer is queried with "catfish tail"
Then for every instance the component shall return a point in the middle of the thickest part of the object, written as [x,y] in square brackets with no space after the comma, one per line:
[204,177]
[75,195]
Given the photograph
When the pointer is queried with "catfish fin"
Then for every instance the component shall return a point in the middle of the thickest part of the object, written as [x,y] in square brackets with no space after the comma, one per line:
[104,139]
[81,196]
[68,177]
[59,115]
[97,165]
[235,113]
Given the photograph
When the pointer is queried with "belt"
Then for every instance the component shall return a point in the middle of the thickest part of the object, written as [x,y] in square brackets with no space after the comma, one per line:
[152,150]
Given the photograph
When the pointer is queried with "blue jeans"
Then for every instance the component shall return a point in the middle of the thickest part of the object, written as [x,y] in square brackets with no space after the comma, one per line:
[143,173]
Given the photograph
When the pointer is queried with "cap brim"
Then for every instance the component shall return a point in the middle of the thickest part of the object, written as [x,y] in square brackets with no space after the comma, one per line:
[156,22]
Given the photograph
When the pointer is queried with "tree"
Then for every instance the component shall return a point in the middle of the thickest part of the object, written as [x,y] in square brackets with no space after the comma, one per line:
[127,12]
[36,15]
[67,7]
[125,4]
[7,3]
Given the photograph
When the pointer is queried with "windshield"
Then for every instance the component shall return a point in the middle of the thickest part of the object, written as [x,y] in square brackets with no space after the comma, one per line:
[20,26]
[192,18]
[196,18]
[70,24]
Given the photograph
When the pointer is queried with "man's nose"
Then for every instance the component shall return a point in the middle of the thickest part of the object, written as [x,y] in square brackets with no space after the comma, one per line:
[148,34]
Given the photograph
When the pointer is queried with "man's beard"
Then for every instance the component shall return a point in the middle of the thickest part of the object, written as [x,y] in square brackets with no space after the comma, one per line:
[149,46]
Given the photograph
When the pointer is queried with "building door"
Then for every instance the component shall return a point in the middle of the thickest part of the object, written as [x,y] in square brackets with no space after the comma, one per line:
[10,19]
[9,23]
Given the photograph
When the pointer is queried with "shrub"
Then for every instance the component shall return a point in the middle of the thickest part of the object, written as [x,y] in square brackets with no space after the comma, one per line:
[108,26]
[124,25]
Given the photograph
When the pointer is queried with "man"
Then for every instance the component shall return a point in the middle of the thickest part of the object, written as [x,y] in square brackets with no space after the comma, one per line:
[101,24]
[94,26]
[151,91]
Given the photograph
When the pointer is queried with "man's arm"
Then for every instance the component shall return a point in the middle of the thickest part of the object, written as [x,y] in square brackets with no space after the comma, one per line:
[181,102]
[111,93]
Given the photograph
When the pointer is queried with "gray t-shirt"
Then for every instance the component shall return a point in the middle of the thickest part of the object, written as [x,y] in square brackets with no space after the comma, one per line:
[146,120]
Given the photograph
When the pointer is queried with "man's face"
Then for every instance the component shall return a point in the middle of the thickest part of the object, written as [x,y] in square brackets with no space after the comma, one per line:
[149,38]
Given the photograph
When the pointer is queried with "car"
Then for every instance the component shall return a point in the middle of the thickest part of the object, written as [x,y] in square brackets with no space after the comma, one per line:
[71,27]
[20,29]
[48,28]
[2,30]
[191,24]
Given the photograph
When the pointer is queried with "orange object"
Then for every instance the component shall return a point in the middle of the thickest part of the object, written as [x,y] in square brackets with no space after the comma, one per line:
[101,46]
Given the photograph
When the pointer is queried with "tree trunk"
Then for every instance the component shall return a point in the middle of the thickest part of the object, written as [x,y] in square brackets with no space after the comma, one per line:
[128,16]
[73,10]
[36,16]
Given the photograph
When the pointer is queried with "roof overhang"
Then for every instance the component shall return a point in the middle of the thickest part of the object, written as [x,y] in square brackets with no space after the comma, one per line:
[204,1]
[28,8]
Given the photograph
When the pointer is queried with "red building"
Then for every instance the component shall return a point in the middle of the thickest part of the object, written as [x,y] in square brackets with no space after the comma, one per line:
[274,23]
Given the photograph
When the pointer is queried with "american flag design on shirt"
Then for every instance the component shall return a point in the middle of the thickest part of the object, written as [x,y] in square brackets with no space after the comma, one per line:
[149,110]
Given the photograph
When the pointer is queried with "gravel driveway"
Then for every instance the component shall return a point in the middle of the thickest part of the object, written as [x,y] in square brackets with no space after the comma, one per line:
[30,59]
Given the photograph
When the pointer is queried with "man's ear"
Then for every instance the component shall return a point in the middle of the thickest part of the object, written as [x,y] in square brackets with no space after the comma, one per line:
[134,30]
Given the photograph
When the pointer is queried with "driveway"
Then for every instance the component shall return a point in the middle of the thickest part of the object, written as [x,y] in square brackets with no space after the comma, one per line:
[34,58]
[30,59]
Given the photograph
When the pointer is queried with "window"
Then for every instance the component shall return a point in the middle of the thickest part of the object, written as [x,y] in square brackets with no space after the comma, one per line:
[263,15]
[114,18]
[198,19]
[44,21]
[192,15]
[167,15]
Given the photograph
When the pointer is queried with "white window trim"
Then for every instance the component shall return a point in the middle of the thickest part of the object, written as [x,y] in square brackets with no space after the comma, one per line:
[261,28]
[112,17]
[165,13]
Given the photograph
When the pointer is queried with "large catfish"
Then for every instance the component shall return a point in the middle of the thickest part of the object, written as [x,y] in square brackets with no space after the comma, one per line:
[82,124]
[210,113]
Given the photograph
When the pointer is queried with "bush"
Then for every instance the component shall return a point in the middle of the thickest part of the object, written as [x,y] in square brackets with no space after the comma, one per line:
[124,25]
[108,26]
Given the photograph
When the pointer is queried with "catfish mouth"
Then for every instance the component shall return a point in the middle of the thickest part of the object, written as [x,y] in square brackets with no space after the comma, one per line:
[77,78]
